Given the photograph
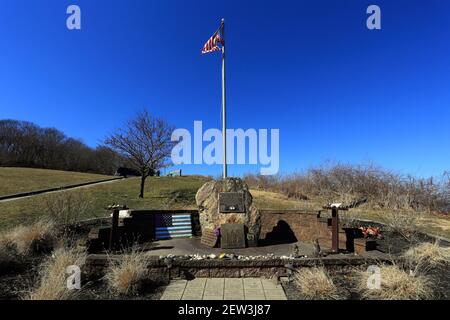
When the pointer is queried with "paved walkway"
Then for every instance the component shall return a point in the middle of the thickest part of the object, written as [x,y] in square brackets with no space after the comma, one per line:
[224,289]
[59,189]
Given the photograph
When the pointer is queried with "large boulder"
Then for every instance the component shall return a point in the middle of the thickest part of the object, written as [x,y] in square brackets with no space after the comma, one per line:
[207,199]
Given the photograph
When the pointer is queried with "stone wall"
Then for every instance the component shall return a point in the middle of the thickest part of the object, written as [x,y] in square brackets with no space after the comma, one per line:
[305,226]
[97,266]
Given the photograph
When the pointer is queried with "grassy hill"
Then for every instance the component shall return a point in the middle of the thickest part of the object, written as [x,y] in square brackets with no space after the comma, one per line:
[17,180]
[160,192]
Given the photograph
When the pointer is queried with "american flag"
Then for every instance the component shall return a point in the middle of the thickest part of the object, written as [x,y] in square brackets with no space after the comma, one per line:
[213,43]
[171,225]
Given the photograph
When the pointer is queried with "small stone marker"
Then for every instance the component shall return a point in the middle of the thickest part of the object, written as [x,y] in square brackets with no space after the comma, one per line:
[209,238]
[252,241]
[231,202]
[232,236]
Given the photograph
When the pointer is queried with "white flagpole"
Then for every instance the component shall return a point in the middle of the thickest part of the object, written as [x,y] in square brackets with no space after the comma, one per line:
[224,100]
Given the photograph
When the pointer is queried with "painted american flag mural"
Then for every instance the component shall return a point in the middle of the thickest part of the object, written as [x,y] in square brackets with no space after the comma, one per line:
[173,225]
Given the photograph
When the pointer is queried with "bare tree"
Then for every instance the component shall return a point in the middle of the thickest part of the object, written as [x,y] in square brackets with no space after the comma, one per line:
[146,142]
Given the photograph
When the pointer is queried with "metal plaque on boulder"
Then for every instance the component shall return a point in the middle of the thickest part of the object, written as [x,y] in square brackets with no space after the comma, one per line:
[209,238]
[231,202]
[232,236]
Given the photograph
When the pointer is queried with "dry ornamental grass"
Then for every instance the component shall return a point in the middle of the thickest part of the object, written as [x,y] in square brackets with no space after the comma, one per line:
[26,240]
[53,276]
[126,276]
[425,256]
[316,284]
[396,284]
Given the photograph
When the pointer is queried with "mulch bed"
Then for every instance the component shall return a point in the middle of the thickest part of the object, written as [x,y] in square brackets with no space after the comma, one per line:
[98,290]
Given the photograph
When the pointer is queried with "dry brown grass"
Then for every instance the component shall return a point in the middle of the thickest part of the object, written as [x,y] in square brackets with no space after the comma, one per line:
[25,240]
[316,284]
[427,255]
[353,185]
[126,276]
[272,200]
[53,277]
[396,284]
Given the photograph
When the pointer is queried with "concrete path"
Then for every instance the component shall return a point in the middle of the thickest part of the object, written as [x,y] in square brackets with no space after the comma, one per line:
[62,189]
[224,289]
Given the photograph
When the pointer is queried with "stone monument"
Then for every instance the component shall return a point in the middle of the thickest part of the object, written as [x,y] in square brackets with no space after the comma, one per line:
[233,236]
[227,201]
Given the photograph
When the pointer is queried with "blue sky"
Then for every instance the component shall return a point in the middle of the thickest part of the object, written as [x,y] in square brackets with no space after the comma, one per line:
[336,90]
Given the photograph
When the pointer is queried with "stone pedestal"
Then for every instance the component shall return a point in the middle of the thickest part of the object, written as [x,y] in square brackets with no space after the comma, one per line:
[207,199]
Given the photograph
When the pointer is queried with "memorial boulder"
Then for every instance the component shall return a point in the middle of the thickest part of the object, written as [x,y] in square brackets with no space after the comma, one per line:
[227,201]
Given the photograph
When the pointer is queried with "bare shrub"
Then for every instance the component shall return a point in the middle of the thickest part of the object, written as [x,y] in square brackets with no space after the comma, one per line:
[402,222]
[53,277]
[357,184]
[396,284]
[127,276]
[350,219]
[30,239]
[426,255]
[67,208]
[172,199]
[316,284]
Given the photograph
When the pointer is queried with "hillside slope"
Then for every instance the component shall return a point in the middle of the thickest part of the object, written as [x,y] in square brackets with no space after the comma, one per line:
[160,192]
[18,180]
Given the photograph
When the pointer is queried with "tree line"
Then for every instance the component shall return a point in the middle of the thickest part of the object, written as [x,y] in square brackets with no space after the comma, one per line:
[142,146]
[25,144]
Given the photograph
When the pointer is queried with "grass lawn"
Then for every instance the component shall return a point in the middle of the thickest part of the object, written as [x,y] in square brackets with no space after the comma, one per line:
[17,180]
[160,192]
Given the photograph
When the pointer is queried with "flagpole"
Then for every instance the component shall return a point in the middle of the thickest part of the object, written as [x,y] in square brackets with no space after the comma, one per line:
[224,103]
[224,100]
